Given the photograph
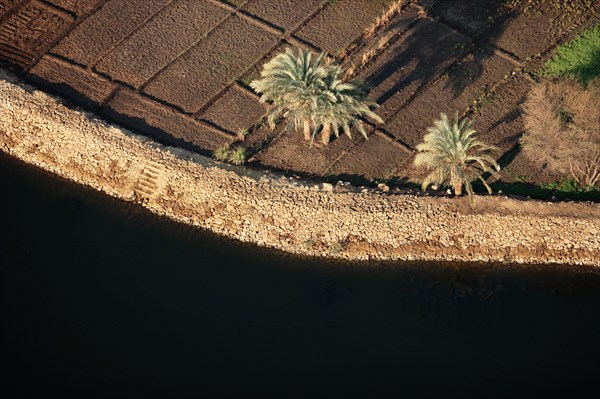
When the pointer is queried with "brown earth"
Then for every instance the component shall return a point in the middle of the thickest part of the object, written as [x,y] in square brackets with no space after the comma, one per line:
[204,70]
[111,24]
[285,14]
[290,152]
[235,98]
[379,158]
[421,55]
[349,17]
[169,68]
[465,83]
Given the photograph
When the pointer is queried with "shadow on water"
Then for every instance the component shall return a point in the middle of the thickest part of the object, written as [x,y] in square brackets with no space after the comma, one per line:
[101,299]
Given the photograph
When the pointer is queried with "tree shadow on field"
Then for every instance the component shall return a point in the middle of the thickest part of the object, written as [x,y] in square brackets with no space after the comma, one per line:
[424,52]
[455,28]
[484,21]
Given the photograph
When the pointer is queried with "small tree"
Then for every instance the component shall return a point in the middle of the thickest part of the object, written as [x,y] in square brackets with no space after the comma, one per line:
[562,130]
[454,156]
[298,86]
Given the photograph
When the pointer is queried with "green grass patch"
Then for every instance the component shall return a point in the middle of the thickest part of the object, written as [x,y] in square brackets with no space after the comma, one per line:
[578,59]
[568,189]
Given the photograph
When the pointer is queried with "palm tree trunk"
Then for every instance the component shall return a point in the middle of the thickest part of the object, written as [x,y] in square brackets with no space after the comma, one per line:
[307,135]
[326,133]
[457,189]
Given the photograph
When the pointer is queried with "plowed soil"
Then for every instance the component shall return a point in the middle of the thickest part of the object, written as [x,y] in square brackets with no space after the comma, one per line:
[178,70]
[341,22]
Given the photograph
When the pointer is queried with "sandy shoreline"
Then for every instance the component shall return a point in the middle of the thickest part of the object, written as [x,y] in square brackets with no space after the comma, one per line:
[302,218]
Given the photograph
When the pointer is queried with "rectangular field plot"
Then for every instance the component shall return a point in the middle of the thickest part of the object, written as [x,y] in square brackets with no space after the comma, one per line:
[341,22]
[292,152]
[7,5]
[163,123]
[236,109]
[538,27]
[27,34]
[375,158]
[421,55]
[75,82]
[500,121]
[221,57]
[78,7]
[286,14]
[466,82]
[471,16]
[174,30]
[106,28]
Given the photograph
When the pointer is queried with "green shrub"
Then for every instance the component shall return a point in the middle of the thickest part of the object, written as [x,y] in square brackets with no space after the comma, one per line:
[237,156]
[222,154]
[578,59]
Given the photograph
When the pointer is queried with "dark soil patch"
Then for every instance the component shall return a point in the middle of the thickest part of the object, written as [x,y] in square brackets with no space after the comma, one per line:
[260,138]
[522,170]
[471,16]
[163,123]
[292,152]
[78,7]
[236,109]
[286,14]
[161,40]
[377,158]
[350,19]
[221,57]
[421,55]
[499,119]
[27,33]
[7,5]
[103,30]
[540,25]
[88,89]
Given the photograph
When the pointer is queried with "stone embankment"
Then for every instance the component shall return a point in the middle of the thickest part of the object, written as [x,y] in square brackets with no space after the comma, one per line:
[281,213]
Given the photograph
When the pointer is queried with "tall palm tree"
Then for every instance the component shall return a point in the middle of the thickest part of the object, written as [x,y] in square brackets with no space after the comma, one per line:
[454,155]
[299,87]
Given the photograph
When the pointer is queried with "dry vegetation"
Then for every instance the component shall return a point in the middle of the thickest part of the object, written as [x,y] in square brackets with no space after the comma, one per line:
[563,130]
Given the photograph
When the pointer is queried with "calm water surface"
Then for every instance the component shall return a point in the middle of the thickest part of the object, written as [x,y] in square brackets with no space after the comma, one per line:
[100,299]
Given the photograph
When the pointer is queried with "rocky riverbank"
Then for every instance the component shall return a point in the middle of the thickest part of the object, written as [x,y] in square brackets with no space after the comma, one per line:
[299,217]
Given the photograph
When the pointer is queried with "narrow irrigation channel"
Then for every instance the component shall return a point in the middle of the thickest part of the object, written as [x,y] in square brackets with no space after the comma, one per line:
[100,298]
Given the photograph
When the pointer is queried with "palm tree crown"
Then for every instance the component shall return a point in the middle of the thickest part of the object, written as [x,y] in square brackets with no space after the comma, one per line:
[454,155]
[298,86]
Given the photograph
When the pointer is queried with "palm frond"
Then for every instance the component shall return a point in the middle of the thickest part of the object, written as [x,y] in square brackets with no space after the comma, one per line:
[454,154]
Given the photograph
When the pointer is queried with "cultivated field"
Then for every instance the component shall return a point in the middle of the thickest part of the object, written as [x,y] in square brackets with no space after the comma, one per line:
[178,70]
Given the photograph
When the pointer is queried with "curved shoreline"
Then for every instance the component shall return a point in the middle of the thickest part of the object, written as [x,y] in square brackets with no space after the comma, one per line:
[297,217]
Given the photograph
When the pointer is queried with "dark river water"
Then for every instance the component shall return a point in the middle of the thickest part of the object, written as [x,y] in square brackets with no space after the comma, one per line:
[98,298]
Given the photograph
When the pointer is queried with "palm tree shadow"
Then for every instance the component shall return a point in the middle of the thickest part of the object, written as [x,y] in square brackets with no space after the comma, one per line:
[423,53]
[482,20]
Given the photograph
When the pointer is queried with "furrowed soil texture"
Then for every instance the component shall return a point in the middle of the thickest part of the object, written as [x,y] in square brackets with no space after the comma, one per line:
[178,70]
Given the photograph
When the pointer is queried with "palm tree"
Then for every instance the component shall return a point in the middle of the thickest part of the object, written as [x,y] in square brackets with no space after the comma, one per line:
[454,155]
[343,103]
[298,86]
